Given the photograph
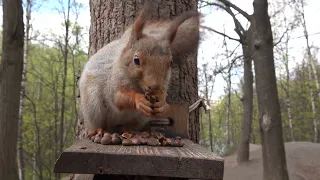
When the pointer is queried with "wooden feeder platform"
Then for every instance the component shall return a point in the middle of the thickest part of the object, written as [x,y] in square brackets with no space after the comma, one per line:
[94,160]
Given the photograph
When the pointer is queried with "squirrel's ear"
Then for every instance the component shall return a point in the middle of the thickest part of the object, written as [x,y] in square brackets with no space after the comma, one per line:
[183,32]
[138,25]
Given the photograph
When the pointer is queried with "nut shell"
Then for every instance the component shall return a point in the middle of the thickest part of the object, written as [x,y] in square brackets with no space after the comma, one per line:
[116,140]
[107,134]
[106,140]
[92,138]
[115,135]
[153,141]
[126,135]
[136,141]
[145,135]
[97,139]
[127,142]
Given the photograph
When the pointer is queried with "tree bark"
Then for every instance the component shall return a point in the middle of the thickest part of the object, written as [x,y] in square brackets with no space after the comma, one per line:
[208,101]
[228,107]
[311,69]
[109,20]
[247,101]
[10,86]
[22,94]
[75,51]
[273,152]
[65,73]
[56,119]
[313,106]
[287,88]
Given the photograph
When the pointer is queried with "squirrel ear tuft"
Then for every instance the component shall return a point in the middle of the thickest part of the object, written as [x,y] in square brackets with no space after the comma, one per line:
[176,22]
[183,32]
[138,25]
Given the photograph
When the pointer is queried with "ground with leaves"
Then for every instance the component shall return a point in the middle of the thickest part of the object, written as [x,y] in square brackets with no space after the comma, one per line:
[303,163]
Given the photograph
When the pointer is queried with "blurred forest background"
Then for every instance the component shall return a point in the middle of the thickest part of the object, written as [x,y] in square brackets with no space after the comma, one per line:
[54,61]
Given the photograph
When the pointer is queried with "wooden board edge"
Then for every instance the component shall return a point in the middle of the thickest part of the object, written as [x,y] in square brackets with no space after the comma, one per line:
[96,163]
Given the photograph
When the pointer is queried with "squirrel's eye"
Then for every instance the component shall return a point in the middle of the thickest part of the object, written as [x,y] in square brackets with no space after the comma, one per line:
[136,60]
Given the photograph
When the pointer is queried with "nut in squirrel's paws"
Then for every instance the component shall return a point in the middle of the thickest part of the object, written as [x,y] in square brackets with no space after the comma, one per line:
[159,102]
[143,105]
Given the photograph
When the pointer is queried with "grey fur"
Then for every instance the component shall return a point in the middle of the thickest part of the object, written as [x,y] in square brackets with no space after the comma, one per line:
[100,78]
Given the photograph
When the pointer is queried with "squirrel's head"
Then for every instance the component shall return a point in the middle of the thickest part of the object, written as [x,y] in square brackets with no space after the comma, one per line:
[149,63]
[147,60]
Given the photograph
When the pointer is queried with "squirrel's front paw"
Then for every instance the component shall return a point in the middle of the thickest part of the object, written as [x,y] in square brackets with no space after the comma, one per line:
[143,105]
[160,107]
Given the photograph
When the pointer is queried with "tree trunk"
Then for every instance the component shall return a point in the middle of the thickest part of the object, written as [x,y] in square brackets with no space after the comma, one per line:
[247,101]
[273,152]
[287,89]
[310,57]
[10,86]
[56,119]
[37,160]
[203,134]
[22,94]
[108,22]
[65,73]
[228,108]
[311,69]
[74,52]
[313,106]
[208,101]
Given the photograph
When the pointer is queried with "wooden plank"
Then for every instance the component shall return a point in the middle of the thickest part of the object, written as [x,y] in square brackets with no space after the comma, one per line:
[83,177]
[191,161]
[179,113]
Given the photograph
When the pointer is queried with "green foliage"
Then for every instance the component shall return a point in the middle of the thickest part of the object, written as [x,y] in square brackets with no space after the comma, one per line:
[302,116]
[42,105]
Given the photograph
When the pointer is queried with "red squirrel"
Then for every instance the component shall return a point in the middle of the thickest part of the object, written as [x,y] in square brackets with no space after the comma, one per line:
[115,80]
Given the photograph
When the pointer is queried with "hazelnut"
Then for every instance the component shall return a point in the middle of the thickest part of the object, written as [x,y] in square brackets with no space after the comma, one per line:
[97,139]
[145,135]
[127,142]
[116,140]
[105,140]
[115,135]
[143,140]
[107,134]
[136,141]
[153,141]
[92,138]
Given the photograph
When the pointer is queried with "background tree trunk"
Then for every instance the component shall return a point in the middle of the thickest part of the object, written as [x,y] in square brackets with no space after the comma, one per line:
[312,71]
[22,94]
[10,86]
[287,88]
[65,59]
[273,152]
[247,101]
[206,78]
[109,20]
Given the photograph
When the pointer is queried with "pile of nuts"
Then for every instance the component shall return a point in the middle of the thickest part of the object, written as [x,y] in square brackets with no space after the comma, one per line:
[138,138]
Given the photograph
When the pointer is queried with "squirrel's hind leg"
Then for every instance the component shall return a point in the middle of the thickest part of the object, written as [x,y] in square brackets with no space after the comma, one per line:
[92,108]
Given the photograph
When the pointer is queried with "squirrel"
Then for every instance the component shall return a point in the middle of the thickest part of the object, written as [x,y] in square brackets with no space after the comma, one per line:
[118,79]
